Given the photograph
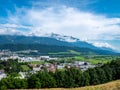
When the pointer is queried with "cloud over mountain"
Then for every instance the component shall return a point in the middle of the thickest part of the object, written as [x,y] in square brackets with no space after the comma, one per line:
[61,19]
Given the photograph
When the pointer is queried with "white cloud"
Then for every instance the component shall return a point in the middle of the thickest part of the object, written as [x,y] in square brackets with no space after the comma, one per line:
[8,25]
[13,29]
[9,31]
[67,21]
[104,44]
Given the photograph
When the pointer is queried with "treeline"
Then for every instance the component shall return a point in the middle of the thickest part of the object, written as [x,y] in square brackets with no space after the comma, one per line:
[68,78]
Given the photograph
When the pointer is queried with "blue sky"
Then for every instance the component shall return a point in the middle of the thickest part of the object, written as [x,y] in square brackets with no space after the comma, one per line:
[109,8]
[94,21]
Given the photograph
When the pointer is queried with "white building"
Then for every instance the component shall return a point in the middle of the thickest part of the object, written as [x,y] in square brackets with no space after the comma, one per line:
[3,75]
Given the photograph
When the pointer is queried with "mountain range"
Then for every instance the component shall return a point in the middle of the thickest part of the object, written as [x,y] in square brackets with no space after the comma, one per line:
[56,40]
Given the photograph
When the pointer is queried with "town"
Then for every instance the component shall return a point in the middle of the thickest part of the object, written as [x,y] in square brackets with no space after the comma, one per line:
[39,63]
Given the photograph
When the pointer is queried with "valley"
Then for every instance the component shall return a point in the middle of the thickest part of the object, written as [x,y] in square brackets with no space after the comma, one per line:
[32,61]
[59,44]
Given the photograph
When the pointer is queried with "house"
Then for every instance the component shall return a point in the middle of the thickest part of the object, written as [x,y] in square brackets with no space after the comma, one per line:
[2,71]
[79,62]
[2,74]
[23,75]
[44,57]
[60,66]
[68,66]
[32,65]
[51,68]
[36,69]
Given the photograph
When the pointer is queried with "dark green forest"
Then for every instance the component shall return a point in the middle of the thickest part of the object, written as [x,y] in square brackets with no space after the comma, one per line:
[68,78]
[46,49]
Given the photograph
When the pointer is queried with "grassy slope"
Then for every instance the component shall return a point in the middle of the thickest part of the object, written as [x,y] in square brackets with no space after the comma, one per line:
[115,85]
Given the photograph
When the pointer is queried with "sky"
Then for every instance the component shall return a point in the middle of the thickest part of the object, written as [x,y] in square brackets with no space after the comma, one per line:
[94,21]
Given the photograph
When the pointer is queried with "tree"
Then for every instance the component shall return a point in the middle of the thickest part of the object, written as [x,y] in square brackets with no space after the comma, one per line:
[72,78]
[12,67]
[94,80]
[34,82]
[1,65]
[115,66]
[59,77]
[101,75]
[3,87]
[20,83]
[85,79]
[76,75]
[13,83]
[47,81]
[108,72]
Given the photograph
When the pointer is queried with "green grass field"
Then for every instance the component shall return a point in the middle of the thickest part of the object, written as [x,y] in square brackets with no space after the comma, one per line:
[79,58]
[37,62]
[96,59]
[25,68]
[65,53]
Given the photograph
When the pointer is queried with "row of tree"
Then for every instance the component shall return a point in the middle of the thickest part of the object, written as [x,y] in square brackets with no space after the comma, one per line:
[67,78]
